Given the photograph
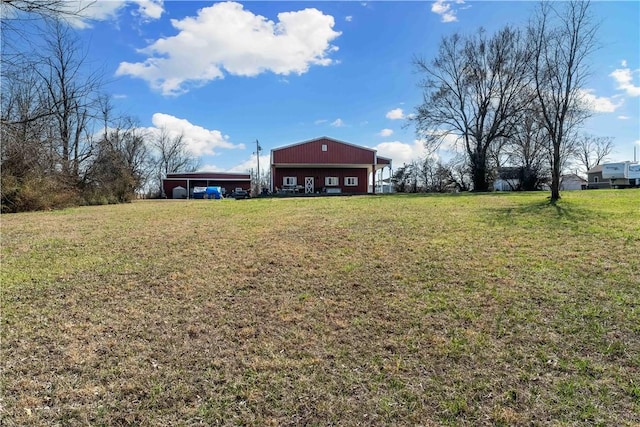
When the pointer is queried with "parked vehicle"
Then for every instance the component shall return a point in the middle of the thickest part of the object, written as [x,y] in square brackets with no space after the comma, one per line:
[240,194]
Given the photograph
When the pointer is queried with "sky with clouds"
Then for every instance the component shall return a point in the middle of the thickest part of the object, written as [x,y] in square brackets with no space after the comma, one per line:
[227,74]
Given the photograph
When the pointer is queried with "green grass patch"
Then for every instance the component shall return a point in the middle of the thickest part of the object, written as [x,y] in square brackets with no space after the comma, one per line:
[382,310]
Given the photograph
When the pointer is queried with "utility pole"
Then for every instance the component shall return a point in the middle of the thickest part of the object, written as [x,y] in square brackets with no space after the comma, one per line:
[257,153]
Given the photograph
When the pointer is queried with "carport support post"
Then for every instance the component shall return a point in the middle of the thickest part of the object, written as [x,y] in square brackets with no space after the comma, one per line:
[374,179]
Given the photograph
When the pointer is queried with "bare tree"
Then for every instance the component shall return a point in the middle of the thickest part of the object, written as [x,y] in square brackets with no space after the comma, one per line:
[21,18]
[561,41]
[171,156]
[71,97]
[460,176]
[474,90]
[43,8]
[121,161]
[592,150]
[22,152]
[527,152]
[404,178]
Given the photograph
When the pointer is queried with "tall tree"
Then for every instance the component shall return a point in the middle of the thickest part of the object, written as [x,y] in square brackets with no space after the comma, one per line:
[474,89]
[562,37]
[71,97]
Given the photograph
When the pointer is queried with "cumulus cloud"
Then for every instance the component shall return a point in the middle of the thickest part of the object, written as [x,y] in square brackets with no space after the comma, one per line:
[348,18]
[395,114]
[446,9]
[600,104]
[199,141]
[337,123]
[227,38]
[386,132]
[401,152]
[624,78]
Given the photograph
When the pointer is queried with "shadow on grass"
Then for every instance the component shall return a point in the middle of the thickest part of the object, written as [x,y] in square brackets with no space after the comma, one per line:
[560,212]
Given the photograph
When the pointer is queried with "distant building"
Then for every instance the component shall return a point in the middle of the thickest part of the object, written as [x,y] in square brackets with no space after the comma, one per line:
[572,182]
[614,175]
[325,165]
[181,185]
[507,179]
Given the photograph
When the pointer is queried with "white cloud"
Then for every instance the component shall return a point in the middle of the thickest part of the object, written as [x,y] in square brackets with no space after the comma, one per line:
[623,117]
[395,114]
[151,9]
[386,132]
[227,38]
[337,123]
[199,141]
[252,163]
[624,78]
[210,168]
[320,121]
[348,18]
[600,104]
[445,10]
[104,10]
[401,152]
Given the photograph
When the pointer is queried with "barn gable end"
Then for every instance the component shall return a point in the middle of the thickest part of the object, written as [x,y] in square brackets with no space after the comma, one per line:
[324,165]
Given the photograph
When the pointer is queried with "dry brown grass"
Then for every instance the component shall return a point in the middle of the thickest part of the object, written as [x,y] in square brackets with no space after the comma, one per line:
[458,310]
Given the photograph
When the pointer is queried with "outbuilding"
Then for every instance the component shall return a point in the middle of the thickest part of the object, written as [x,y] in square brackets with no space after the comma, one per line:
[325,165]
[614,175]
[187,181]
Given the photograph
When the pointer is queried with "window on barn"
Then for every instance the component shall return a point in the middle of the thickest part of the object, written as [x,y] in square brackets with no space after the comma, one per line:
[290,180]
[351,181]
[324,147]
[331,181]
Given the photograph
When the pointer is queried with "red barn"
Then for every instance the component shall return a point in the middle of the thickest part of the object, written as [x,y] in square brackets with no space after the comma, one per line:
[186,181]
[325,165]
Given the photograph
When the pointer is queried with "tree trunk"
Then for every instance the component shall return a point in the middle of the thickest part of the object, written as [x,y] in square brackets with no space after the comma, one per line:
[555,174]
[479,172]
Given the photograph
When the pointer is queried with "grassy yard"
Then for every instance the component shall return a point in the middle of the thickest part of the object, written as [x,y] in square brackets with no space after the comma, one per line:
[495,309]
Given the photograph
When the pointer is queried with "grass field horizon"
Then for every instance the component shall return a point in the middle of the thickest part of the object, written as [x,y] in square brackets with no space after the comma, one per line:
[467,309]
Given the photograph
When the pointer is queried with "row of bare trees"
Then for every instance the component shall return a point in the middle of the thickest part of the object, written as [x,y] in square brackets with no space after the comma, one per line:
[514,98]
[63,143]
[428,175]
[525,158]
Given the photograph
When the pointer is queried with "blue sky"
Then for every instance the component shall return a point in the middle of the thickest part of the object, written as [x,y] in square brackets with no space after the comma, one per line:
[226,74]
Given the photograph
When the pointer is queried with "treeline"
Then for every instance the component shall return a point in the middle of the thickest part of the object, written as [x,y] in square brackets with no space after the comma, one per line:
[428,175]
[63,143]
[522,163]
[515,99]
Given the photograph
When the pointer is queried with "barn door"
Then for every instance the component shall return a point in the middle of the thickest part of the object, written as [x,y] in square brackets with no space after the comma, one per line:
[308,184]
